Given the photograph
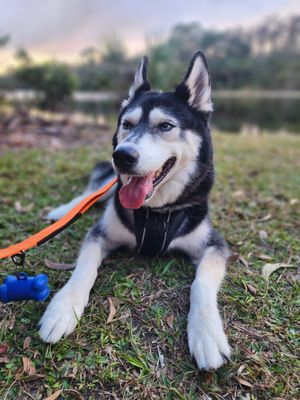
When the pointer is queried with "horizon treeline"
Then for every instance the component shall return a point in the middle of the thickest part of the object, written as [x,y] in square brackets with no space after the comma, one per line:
[263,57]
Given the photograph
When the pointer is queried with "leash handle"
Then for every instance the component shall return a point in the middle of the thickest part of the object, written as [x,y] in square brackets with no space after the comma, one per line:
[52,230]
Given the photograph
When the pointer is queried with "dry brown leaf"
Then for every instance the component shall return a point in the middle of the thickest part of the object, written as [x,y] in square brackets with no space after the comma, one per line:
[156,295]
[268,269]
[239,194]
[109,351]
[263,235]
[170,320]
[11,323]
[6,200]
[4,360]
[33,377]
[233,258]
[240,370]
[58,266]
[239,327]
[251,289]
[243,382]
[266,218]
[71,392]
[26,343]
[112,310]
[36,354]
[21,209]
[4,348]
[243,261]
[264,257]
[76,395]
[54,395]
[28,367]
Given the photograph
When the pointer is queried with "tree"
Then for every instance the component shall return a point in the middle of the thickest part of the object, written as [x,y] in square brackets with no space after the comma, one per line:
[53,81]
[22,56]
[113,50]
[4,38]
[90,55]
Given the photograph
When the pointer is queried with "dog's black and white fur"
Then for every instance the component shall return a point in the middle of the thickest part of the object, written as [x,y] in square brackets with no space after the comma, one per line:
[164,135]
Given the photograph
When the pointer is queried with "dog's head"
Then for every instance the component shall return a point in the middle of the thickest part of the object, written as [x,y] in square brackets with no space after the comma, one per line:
[162,142]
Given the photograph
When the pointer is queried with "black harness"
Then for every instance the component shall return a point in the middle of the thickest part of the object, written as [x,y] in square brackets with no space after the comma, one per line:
[155,230]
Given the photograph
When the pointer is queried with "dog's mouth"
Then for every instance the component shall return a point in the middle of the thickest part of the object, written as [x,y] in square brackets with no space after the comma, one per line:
[137,189]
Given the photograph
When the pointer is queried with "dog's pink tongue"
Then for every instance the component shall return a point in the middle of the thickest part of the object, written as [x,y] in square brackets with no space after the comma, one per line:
[133,194]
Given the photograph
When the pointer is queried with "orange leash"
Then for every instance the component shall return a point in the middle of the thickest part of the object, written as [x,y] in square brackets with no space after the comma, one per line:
[50,231]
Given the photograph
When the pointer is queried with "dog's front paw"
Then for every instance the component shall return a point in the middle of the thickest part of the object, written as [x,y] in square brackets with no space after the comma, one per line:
[62,315]
[207,341]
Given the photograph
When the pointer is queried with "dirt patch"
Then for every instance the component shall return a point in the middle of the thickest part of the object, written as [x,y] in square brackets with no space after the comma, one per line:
[54,131]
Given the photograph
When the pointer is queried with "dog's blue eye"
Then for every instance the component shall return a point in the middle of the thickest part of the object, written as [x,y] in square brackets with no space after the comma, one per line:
[127,125]
[165,126]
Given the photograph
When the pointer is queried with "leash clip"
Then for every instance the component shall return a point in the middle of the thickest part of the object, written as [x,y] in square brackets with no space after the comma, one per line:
[18,260]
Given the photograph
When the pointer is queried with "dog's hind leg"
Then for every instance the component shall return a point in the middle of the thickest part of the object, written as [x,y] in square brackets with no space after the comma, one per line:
[101,175]
[207,340]
[67,305]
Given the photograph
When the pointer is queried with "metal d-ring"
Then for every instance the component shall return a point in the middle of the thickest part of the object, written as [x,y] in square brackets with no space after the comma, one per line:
[18,260]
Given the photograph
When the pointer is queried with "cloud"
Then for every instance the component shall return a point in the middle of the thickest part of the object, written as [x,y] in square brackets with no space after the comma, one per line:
[61,28]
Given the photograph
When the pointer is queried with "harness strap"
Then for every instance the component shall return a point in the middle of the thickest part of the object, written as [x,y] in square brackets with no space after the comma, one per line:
[52,230]
[154,231]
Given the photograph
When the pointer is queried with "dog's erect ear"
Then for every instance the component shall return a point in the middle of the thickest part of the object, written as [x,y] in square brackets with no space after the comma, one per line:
[140,78]
[195,87]
[140,82]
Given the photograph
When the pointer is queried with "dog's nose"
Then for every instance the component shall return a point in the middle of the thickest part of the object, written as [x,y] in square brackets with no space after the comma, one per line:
[125,157]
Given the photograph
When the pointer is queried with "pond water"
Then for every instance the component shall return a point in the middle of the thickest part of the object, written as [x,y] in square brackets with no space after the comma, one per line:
[230,114]
[235,114]
[234,111]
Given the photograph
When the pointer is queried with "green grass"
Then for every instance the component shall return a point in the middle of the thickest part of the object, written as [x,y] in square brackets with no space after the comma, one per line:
[256,177]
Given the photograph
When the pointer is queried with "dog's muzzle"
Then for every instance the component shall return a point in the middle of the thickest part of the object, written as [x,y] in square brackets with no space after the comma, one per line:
[125,158]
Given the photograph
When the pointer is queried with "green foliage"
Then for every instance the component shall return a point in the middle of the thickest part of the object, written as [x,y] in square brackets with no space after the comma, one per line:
[105,68]
[265,57]
[54,81]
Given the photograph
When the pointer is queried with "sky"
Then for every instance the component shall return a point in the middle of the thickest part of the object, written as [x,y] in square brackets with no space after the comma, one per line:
[62,28]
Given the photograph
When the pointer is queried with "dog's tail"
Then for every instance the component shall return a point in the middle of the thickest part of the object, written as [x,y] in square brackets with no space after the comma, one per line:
[102,173]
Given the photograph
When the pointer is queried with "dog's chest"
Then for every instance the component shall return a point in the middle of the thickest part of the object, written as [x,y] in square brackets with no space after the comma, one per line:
[154,231]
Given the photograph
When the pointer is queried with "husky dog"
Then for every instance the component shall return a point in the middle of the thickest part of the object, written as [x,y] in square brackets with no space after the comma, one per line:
[162,154]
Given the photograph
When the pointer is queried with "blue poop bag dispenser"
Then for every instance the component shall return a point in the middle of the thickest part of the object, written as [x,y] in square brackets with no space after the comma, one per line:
[21,286]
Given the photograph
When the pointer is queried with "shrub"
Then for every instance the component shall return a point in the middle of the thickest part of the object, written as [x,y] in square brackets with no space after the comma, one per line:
[54,82]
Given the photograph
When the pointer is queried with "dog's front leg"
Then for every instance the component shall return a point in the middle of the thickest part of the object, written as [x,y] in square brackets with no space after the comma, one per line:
[66,307]
[68,304]
[206,337]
